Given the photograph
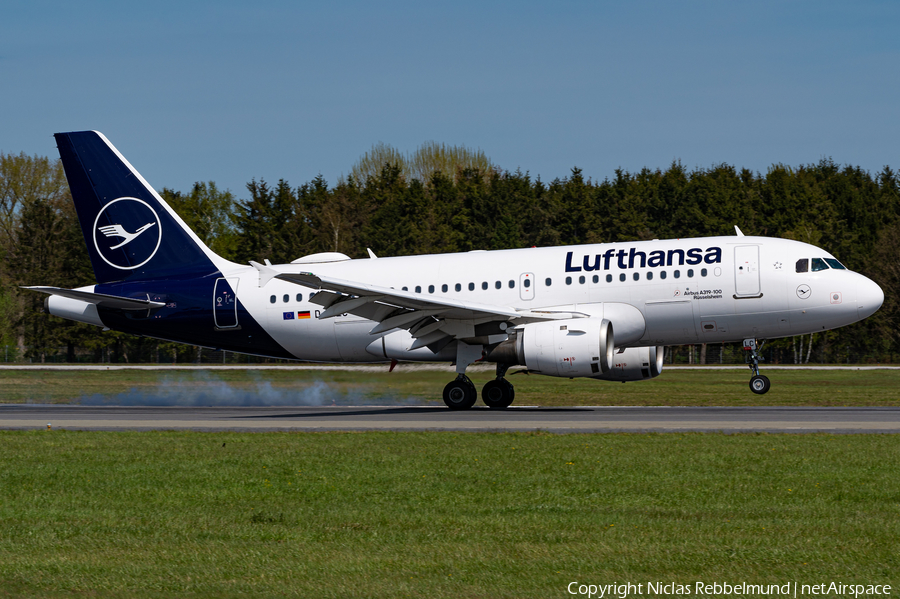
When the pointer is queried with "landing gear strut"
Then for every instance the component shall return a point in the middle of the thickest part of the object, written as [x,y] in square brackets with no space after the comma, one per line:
[498,393]
[759,384]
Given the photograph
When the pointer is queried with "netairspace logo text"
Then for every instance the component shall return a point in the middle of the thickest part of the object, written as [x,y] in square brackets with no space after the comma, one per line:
[719,589]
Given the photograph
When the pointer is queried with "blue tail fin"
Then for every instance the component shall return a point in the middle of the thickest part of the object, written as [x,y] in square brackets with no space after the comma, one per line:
[131,233]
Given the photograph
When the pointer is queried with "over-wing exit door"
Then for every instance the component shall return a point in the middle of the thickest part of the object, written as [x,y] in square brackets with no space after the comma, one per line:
[225,304]
[526,286]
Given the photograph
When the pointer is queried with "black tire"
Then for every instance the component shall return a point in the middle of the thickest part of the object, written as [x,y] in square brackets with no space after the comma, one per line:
[759,384]
[498,394]
[460,394]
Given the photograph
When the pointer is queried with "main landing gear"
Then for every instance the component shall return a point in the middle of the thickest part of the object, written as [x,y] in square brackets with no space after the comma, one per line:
[461,394]
[759,384]
[498,393]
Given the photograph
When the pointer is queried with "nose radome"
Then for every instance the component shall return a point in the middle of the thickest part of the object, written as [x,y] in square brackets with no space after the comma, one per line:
[869,297]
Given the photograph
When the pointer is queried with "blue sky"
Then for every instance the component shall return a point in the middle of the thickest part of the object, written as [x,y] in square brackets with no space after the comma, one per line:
[228,91]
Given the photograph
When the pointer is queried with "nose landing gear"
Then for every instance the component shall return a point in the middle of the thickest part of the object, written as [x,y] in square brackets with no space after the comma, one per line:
[759,384]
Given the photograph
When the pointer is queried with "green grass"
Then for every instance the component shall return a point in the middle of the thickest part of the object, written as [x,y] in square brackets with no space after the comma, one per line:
[674,387]
[438,514]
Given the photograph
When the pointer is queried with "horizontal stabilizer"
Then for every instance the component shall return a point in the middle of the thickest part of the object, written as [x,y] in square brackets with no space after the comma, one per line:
[100,299]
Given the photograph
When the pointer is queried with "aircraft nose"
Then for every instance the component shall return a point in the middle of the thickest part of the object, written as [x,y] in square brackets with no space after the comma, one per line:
[869,298]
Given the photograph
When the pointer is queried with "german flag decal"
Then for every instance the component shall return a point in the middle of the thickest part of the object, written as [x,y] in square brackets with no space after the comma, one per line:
[303,314]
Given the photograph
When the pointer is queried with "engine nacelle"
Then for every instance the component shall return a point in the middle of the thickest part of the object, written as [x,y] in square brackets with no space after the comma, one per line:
[635,364]
[73,309]
[572,347]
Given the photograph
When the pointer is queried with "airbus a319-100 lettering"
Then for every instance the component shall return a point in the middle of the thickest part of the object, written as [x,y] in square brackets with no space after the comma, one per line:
[600,311]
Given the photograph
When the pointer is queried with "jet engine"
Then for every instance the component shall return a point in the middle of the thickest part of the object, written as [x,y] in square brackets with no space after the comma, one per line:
[584,347]
[571,347]
[635,364]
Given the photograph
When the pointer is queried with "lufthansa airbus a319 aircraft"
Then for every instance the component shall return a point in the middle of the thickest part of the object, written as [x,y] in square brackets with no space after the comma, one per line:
[601,311]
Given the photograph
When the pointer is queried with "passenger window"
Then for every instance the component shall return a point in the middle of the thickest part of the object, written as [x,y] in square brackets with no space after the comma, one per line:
[458,287]
[568,280]
[548,281]
[677,274]
[444,288]
[581,279]
[286,298]
[609,278]
[299,297]
[498,285]
[622,277]
[835,264]
[595,278]
[690,272]
[649,275]
[406,289]
[512,284]
[418,289]
[818,264]
[803,265]
[484,285]
[637,276]
[527,283]
[702,272]
[431,289]
[471,286]
[272,299]
[662,274]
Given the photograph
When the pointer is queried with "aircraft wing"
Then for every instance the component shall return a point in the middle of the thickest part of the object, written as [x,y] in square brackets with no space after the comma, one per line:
[430,318]
[100,299]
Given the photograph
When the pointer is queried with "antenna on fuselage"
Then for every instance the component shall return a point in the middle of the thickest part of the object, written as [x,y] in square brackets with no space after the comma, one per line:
[738,231]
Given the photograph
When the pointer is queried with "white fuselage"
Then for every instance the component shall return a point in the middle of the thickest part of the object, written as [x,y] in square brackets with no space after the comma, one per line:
[749,287]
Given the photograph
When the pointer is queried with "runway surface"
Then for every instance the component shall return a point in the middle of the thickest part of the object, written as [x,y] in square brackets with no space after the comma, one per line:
[557,419]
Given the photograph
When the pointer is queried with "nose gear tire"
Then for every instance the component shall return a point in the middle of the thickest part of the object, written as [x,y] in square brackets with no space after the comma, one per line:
[759,384]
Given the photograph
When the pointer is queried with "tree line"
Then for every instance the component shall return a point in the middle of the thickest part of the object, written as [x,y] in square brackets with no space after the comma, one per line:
[451,199]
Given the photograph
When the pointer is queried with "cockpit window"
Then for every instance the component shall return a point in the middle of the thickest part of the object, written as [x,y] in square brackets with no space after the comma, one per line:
[818,264]
[835,264]
[803,265]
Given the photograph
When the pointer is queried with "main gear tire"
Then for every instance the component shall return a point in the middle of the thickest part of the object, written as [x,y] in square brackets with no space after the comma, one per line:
[498,394]
[460,394]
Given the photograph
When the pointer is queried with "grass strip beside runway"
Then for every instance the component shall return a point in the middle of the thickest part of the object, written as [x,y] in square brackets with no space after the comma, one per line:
[272,387]
[438,514]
